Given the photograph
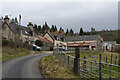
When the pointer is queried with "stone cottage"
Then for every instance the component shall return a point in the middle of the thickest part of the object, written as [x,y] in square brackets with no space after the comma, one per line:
[56,39]
[15,32]
[10,31]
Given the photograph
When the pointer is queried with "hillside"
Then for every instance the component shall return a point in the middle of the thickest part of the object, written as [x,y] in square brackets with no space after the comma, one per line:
[110,35]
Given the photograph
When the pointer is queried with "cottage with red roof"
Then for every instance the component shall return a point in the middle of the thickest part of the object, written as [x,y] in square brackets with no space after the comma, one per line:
[46,42]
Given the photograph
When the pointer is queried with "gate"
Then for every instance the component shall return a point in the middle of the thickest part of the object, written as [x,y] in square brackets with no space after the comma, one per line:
[92,67]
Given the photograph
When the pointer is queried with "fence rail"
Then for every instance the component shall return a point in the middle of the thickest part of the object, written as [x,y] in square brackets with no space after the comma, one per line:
[91,66]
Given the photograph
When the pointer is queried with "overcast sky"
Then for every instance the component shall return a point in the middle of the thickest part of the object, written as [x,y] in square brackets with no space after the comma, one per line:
[100,15]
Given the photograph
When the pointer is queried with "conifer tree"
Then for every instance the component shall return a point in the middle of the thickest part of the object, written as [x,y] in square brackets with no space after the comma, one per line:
[71,32]
[67,32]
[81,32]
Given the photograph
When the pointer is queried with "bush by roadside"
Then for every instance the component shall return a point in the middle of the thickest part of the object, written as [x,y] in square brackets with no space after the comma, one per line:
[51,67]
[13,44]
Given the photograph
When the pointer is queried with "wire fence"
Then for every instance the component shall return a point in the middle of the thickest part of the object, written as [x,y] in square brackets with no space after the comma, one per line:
[92,67]
[66,60]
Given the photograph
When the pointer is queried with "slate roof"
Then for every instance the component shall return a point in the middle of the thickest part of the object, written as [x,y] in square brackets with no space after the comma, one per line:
[15,28]
[26,31]
[56,35]
[83,38]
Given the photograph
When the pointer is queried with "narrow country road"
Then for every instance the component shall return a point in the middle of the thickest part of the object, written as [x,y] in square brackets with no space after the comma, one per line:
[23,67]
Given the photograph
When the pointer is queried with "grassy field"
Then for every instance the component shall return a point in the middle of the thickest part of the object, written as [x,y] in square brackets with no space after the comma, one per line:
[103,59]
[51,67]
[103,54]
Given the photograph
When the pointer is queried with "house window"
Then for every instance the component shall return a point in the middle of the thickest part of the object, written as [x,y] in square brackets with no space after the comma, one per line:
[55,37]
[30,33]
[62,39]
[57,45]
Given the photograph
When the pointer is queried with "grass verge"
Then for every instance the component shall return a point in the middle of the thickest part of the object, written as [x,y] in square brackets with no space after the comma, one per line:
[51,67]
[9,53]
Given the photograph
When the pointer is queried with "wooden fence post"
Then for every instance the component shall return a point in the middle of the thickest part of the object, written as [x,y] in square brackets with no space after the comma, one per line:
[111,58]
[110,66]
[106,61]
[100,71]
[84,66]
[119,65]
[76,63]
[68,61]
[115,60]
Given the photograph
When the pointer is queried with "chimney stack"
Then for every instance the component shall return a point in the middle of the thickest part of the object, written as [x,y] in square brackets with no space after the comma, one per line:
[6,19]
[30,25]
[19,19]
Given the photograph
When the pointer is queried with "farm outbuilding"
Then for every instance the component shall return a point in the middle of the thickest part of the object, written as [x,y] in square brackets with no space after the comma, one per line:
[109,45]
[90,42]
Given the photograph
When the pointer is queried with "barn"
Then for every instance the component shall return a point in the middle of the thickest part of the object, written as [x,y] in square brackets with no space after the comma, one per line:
[89,42]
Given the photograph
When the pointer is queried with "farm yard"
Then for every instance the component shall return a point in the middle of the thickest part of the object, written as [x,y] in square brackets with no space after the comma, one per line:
[92,64]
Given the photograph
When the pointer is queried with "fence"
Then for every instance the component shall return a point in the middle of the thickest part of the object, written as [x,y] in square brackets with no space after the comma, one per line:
[66,60]
[92,67]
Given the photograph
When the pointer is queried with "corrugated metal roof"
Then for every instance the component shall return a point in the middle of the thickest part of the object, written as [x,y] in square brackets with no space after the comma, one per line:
[83,38]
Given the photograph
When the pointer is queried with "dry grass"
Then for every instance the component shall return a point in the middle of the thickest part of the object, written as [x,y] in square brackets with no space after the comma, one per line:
[8,53]
[51,67]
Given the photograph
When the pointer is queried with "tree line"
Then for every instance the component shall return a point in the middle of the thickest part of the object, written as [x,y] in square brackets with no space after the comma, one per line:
[69,32]
[108,35]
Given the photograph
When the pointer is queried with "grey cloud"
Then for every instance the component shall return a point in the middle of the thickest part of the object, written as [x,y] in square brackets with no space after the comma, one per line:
[67,14]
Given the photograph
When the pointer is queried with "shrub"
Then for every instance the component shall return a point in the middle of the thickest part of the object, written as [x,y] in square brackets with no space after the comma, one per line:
[13,44]
[38,43]
[4,43]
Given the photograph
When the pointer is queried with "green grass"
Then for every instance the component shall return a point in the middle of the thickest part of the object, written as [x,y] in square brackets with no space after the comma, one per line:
[104,55]
[51,67]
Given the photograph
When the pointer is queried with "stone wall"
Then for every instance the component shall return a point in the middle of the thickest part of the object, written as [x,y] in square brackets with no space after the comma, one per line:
[7,33]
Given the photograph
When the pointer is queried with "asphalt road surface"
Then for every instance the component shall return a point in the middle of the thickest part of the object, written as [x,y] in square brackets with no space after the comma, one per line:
[23,67]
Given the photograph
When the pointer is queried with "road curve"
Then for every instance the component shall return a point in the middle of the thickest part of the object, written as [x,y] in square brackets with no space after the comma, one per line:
[23,67]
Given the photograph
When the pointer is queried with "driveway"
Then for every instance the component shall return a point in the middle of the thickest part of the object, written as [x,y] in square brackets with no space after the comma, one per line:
[23,67]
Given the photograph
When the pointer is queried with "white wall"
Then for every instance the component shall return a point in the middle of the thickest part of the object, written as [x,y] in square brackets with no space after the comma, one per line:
[48,37]
[60,42]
